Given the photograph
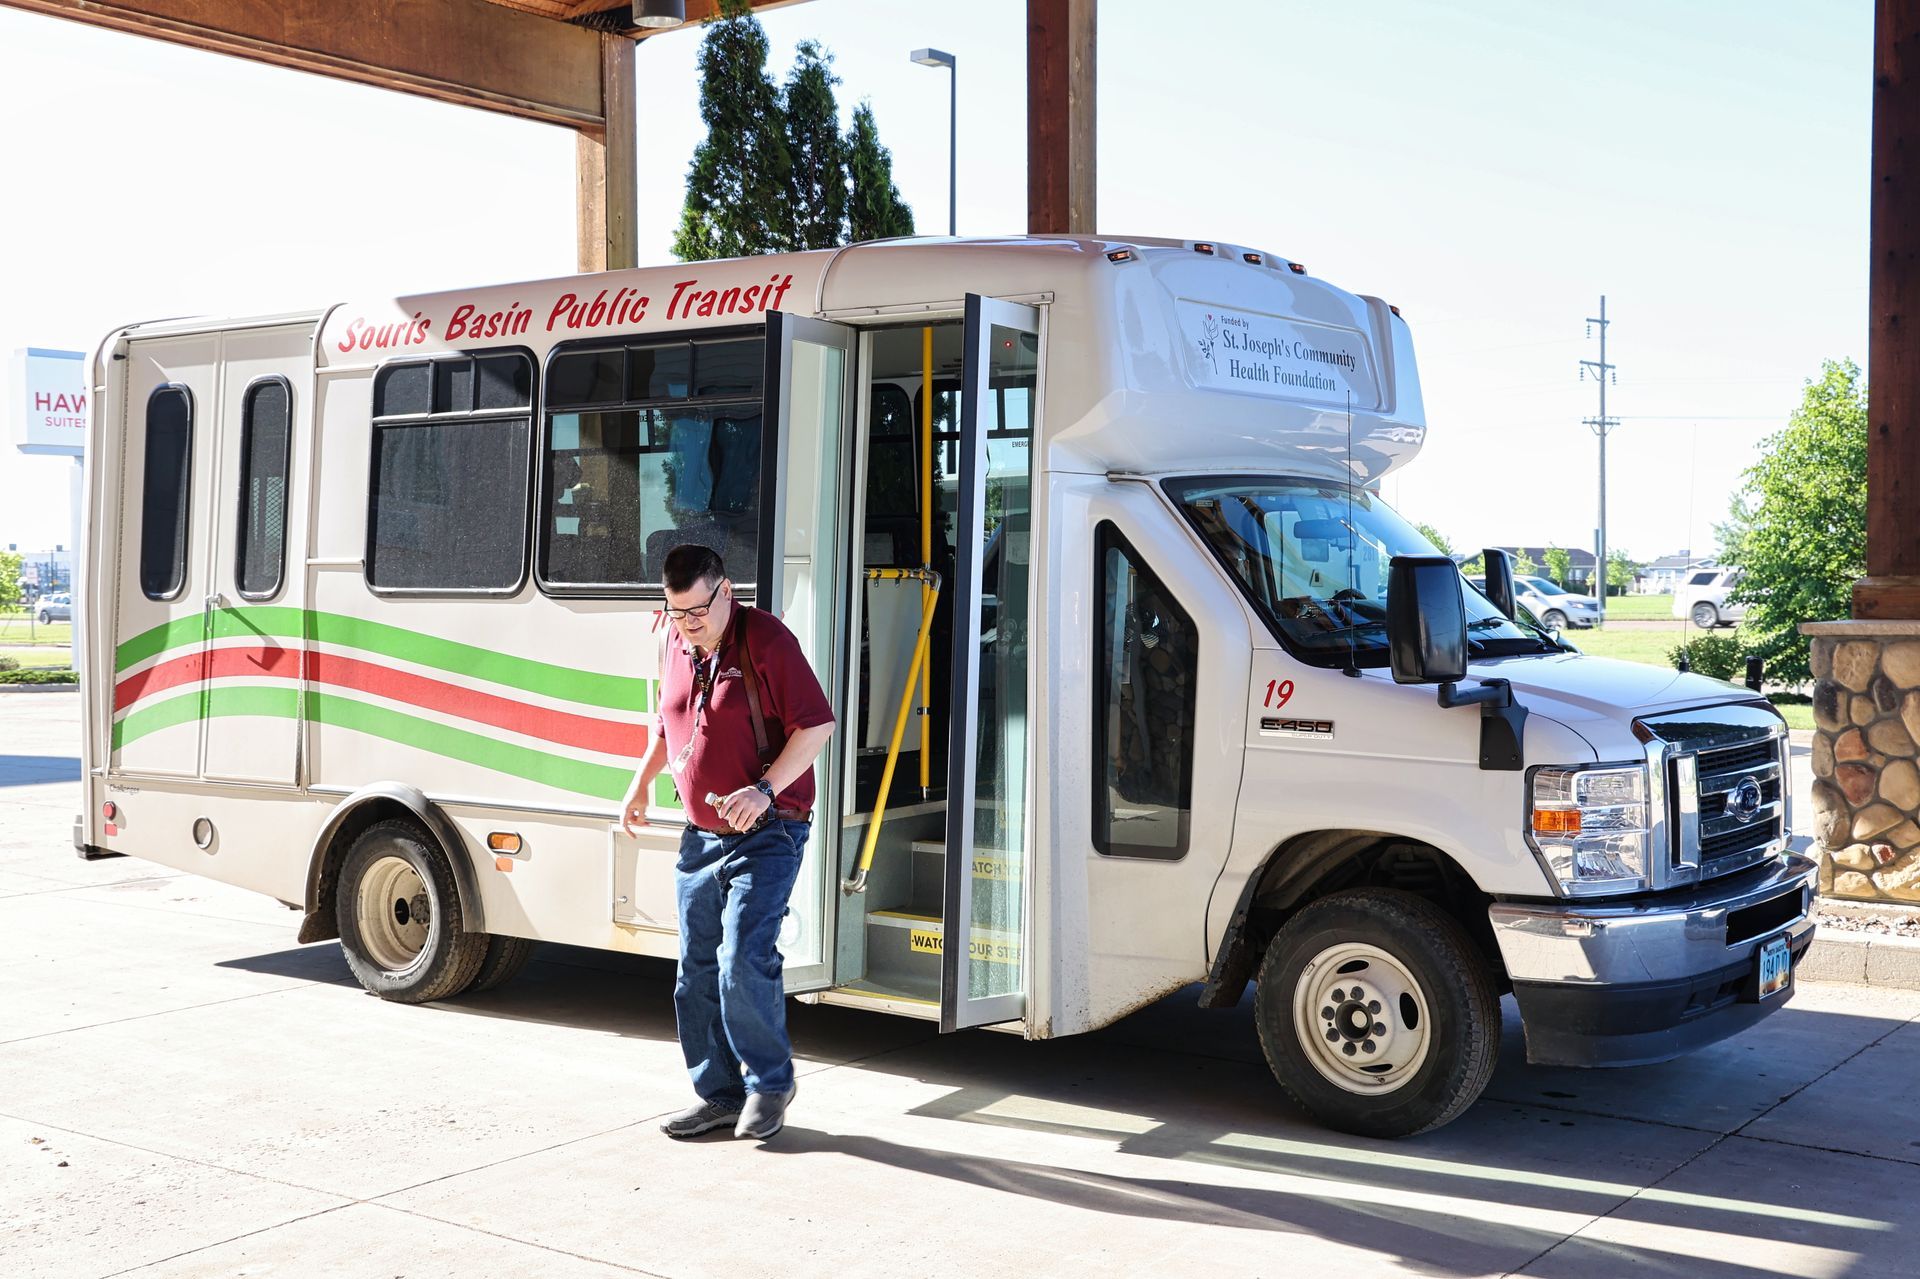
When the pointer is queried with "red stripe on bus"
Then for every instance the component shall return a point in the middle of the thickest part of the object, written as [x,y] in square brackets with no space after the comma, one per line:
[564,728]
[609,737]
[280,662]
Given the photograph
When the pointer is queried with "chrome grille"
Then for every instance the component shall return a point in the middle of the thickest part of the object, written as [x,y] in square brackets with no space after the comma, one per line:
[1725,805]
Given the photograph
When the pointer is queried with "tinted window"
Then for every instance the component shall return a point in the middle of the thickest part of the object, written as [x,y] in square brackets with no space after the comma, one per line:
[266,420]
[163,502]
[677,460]
[1146,667]
[448,505]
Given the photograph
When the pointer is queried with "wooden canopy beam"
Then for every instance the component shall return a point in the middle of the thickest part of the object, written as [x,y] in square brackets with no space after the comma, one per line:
[467,52]
[1060,117]
[1891,588]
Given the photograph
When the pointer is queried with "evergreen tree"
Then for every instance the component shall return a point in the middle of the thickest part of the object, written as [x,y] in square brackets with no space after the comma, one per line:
[876,211]
[737,188]
[817,187]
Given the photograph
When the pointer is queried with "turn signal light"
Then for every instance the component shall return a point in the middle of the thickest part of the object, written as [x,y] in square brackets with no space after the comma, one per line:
[1557,821]
[503,841]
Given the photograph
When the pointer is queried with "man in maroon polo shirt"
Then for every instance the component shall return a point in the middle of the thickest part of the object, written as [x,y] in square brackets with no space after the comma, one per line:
[741,720]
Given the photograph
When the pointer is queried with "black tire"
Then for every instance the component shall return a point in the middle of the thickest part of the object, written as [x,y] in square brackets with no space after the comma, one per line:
[506,956]
[447,958]
[1555,620]
[46,619]
[1705,616]
[1462,1010]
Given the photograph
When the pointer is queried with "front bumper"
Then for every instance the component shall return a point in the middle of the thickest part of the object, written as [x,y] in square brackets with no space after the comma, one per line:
[1631,983]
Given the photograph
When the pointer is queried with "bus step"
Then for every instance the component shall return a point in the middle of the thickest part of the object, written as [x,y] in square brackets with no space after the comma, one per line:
[903,951]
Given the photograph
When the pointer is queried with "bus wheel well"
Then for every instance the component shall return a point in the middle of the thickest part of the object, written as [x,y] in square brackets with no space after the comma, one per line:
[1309,867]
[358,812]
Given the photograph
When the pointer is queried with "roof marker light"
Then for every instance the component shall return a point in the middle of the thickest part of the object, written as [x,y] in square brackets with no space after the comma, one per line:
[1121,255]
[1203,247]
[1254,258]
[1391,307]
[1296,268]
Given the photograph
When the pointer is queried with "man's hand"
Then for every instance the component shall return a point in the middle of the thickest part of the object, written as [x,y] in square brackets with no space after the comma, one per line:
[633,812]
[742,809]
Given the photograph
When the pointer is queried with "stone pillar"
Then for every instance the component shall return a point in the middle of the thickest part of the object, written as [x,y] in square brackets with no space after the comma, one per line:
[1866,793]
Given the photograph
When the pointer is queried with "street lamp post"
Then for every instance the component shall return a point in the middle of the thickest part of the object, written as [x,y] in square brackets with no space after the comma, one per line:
[935,58]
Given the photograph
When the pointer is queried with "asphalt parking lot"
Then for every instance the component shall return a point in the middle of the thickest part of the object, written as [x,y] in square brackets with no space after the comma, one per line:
[186,1092]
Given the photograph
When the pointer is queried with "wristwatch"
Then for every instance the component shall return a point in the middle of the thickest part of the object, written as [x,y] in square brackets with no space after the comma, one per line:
[764,789]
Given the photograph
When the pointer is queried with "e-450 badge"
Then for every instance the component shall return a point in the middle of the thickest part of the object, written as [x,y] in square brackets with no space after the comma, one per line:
[1319,729]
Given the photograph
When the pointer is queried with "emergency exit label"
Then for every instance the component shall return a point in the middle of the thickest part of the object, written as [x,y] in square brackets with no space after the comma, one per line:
[1289,359]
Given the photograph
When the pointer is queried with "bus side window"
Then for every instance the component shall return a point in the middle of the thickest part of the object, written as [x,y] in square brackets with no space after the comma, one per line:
[649,445]
[266,417]
[163,498]
[447,502]
[1146,672]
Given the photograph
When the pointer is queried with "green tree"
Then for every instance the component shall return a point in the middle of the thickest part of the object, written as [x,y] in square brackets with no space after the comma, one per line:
[738,184]
[1432,534]
[10,579]
[1621,570]
[1798,527]
[876,211]
[1523,565]
[1559,564]
[817,181]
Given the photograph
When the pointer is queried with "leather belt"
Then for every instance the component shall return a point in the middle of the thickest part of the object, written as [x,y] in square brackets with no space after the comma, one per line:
[782,814]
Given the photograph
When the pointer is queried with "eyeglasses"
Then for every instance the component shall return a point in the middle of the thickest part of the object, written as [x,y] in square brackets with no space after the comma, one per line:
[698,610]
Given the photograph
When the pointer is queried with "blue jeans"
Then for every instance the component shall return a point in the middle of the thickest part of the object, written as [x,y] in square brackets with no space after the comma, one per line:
[733,892]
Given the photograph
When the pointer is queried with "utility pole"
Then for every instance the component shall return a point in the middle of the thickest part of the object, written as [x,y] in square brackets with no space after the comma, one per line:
[1600,426]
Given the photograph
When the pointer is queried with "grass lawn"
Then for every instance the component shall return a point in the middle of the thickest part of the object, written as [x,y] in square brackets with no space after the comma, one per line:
[18,628]
[38,655]
[1632,607]
[1635,645]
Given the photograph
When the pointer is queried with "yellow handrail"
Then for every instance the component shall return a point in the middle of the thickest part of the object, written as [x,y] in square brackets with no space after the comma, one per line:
[929,594]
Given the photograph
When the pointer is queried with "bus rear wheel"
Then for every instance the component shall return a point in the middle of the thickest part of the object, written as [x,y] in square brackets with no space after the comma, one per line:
[1377,1014]
[399,916]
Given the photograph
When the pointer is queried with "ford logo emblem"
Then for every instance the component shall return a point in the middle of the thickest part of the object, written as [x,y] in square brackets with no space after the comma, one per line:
[1743,801]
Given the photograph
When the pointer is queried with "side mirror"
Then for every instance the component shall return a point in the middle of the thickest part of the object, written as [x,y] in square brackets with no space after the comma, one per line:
[1427,620]
[1500,581]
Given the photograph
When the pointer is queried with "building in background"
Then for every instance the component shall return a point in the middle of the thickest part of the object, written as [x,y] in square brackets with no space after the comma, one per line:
[1662,575]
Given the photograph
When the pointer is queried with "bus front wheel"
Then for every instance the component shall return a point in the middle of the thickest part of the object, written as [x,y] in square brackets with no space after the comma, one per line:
[399,916]
[1377,1013]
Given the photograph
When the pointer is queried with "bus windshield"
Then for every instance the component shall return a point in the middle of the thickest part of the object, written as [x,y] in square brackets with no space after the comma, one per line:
[1313,557]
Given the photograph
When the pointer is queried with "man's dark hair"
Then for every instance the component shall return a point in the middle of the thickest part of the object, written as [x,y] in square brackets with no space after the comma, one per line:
[688,565]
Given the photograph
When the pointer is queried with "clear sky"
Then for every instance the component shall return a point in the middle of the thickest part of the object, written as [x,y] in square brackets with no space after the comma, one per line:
[1490,166]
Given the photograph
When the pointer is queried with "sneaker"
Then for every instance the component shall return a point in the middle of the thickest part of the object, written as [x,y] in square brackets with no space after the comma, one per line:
[765,1114]
[701,1117]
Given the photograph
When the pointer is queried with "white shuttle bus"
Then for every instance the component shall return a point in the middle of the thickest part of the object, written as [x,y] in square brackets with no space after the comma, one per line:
[1140,684]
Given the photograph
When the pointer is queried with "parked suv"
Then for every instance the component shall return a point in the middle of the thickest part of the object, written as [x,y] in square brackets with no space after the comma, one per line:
[57,607]
[1703,598]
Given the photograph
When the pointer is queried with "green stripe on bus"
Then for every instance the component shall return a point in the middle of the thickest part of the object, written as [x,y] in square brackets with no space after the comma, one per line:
[253,700]
[588,688]
[600,781]
[558,771]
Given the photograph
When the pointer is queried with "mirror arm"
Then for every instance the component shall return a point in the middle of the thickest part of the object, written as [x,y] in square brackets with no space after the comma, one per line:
[1502,722]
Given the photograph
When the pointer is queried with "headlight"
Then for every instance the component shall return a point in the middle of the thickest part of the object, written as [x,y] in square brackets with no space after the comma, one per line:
[1591,826]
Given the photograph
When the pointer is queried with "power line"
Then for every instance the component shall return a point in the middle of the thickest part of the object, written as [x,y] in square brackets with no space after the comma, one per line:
[1601,426]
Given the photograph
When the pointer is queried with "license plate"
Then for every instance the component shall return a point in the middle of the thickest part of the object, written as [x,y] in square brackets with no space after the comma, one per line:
[1776,967]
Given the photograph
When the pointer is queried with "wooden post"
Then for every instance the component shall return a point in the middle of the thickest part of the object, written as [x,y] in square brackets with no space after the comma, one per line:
[606,167]
[1060,117]
[1891,588]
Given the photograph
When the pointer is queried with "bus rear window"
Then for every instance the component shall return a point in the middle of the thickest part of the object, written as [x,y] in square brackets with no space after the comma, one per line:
[164,494]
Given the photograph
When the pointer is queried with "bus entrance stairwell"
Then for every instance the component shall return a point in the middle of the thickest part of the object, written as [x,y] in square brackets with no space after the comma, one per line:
[951,417]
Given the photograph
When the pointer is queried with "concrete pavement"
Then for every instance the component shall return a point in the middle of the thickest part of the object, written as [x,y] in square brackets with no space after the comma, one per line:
[185,1092]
